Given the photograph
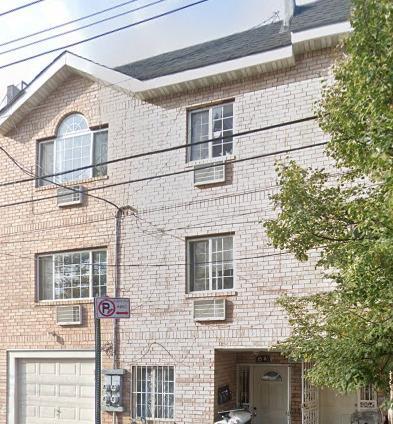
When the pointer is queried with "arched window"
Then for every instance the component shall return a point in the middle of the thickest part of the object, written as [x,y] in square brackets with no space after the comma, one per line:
[75,146]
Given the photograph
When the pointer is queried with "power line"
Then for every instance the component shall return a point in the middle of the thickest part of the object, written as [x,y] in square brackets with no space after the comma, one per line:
[33,34]
[103,187]
[83,27]
[169,264]
[103,34]
[164,150]
[23,6]
[72,189]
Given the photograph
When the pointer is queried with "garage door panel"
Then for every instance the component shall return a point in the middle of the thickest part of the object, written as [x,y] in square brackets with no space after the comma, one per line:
[55,391]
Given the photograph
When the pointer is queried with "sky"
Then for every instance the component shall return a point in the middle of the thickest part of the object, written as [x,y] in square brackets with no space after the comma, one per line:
[206,21]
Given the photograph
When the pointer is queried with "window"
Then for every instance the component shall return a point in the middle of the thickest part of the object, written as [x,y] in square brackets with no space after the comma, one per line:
[367,398]
[206,124]
[272,376]
[75,146]
[210,263]
[153,392]
[72,275]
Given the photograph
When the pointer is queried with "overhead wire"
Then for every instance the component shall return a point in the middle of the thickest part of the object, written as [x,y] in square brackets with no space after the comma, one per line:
[164,150]
[23,6]
[170,174]
[70,188]
[113,31]
[72,21]
[51,37]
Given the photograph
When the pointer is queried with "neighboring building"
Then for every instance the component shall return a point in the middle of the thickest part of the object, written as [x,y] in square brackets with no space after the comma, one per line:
[193,255]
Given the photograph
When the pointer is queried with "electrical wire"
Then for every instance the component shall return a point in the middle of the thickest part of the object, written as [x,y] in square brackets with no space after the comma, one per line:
[72,189]
[51,37]
[23,6]
[33,34]
[85,40]
[170,264]
[165,150]
[170,174]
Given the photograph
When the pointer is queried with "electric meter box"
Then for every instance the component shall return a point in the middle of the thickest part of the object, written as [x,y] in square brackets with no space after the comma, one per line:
[112,398]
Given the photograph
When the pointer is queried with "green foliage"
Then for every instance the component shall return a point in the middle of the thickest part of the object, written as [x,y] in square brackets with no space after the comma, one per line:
[348,332]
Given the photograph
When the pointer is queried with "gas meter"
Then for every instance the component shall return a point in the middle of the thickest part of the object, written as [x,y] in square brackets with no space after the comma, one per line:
[113,387]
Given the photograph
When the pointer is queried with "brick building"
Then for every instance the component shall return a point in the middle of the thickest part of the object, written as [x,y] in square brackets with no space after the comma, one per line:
[188,247]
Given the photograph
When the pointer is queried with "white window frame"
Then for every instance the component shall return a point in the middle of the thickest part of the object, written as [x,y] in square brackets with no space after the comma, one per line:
[55,148]
[153,393]
[189,259]
[210,135]
[71,299]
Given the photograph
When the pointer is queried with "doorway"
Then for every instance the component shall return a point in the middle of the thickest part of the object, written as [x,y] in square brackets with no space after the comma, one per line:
[271,394]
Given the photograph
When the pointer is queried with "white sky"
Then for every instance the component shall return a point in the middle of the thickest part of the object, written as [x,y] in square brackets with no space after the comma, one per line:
[209,20]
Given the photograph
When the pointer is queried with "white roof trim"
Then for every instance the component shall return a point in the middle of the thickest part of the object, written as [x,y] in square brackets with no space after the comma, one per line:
[320,32]
[143,89]
[270,56]
[73,63]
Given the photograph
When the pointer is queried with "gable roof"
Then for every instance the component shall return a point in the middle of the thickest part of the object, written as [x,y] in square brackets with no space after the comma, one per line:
[242,44]
[252,52]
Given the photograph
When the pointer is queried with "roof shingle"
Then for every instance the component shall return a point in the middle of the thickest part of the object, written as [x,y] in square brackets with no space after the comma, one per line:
[242,44]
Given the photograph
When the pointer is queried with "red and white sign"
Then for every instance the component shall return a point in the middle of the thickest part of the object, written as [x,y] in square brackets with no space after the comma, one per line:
[112,307]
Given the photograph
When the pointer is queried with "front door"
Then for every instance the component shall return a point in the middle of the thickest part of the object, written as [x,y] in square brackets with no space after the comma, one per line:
[270,394]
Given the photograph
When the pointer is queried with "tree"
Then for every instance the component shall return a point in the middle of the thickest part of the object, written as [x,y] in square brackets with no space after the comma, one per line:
[348,219]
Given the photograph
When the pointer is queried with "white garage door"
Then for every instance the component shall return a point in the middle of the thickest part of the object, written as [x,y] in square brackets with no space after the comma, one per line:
[55,391]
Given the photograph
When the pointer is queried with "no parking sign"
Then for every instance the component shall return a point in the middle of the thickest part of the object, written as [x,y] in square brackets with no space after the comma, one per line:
[112,307]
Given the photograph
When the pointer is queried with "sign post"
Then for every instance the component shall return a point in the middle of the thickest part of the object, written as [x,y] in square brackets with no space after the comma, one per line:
[105,308]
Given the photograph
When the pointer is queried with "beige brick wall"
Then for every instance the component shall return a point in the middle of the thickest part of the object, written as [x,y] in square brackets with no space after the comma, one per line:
[161,330]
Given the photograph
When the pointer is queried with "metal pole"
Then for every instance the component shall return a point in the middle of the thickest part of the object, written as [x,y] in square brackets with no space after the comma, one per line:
[97,331]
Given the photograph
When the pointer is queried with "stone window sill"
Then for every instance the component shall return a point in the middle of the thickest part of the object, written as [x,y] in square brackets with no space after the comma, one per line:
[204,294]
[72,183]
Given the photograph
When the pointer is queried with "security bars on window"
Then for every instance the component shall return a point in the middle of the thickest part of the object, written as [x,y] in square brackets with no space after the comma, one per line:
[205,124]
[72,275]
[153,392]
[210,263]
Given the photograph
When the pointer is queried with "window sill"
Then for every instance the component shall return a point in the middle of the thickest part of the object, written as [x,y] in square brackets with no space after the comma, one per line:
[72,183]
[64,302]
[217,293]
[207,161]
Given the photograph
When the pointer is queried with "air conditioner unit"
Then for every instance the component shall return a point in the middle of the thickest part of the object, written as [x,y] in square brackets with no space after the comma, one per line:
[70,196]
[69,315]
[209,310]
[209,173]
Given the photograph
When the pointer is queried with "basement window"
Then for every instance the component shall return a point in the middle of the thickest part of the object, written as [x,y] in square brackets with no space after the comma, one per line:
[153,392]
[75,146]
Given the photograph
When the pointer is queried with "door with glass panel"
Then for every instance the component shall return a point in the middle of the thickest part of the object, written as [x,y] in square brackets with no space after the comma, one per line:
[270,394]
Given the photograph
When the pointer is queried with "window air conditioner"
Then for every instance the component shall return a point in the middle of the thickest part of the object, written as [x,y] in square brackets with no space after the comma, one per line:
[209,173]
[209,310]
[69,315]
[70,196]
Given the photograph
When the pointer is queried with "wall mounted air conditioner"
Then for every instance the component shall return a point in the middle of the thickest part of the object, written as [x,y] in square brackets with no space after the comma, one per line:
[70,196]
[69,315]
[209,310]
[209,173]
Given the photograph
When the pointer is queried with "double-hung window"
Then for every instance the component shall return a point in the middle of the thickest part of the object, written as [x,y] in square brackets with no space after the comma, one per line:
[75,146]
[210,263]
[72,275]
[153,392]
[211,123]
